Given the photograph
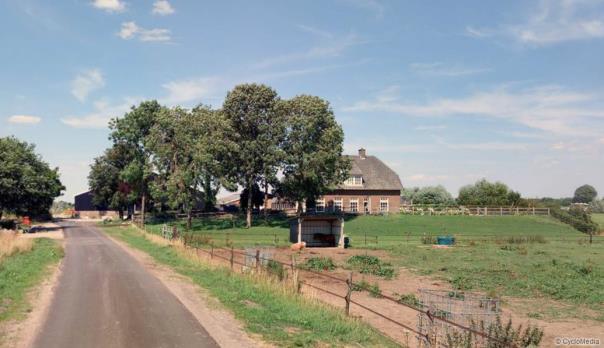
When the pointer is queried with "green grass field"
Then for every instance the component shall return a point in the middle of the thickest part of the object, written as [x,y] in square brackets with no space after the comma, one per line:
[599,219]
[280,317]
[558,264]
[387,231]
[20,272]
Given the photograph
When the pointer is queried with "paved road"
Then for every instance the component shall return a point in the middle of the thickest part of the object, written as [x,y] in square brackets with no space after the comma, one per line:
[107,299]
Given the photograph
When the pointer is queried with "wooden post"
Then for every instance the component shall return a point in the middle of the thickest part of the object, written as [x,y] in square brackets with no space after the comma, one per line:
[299,230]
[276,239]
[533,211]
[376,240]
[295,281]
[501,211]
[212,250]
[348,293]
[227,239]
[257,258]
[232,257]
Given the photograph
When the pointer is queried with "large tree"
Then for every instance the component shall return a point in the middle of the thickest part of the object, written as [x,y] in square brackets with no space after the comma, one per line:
[104,179]
[258,129]
[132,131]
[585,194]
[484,193]
[27,184]
[313,162]
[187,149]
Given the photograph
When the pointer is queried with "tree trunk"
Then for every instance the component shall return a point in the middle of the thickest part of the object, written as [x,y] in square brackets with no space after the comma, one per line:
[143,199]
[249,205]
[121,213]
[265,200]
[189,220]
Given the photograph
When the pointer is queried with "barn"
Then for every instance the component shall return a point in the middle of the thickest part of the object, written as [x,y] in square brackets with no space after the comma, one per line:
[85,208]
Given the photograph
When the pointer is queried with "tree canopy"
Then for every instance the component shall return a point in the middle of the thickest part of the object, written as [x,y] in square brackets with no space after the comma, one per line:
[433,195]
[28,185]
[484,193]
[585,194]
[258,128]
[313,161]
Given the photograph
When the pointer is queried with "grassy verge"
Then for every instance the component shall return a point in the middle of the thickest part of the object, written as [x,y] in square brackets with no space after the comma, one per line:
[264,307]
[21,271]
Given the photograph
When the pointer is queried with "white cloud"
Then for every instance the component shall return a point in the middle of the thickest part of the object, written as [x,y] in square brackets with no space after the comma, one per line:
[103,112]
[372,5]
[193,89]
[441,69]
[478,33]
[554,21]
[315,31]
[110,5]
[24,119]
[131,30]
[86,82]
[547,108]
[162,8]
[330,47]
[431,127]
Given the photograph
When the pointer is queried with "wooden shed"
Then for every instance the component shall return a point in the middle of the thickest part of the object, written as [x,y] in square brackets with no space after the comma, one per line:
[317,230]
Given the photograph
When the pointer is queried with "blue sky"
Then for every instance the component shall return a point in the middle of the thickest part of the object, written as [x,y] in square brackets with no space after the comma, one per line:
[444,92]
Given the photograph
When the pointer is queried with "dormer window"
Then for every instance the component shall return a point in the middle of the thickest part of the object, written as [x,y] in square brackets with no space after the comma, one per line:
[355,180]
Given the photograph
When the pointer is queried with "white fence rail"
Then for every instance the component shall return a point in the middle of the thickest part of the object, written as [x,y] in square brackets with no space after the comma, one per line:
[476,211]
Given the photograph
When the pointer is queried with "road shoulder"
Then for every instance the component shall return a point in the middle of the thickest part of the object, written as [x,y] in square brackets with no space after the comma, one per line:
[22,333]
[218,322]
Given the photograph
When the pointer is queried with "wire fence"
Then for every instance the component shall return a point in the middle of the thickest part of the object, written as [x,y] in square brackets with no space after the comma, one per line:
[230,255]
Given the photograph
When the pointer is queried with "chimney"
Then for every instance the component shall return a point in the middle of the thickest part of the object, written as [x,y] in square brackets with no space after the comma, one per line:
[362,153]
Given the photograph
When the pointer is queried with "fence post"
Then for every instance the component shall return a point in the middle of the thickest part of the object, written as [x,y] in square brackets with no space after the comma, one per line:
[376,240]
[295,274]
[212,250]
[232,257]
[276,239]
[348,293]
[365,238]
[227,238]
[257,258]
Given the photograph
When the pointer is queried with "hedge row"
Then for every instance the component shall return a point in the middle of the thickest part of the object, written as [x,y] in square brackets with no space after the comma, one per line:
[577,219]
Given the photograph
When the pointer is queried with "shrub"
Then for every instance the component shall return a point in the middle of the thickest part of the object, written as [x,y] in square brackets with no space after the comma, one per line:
[373,289]
[8,225]
[408,299]
[503,336]
[577,218]
[367,264]
[319,264]
[276,269]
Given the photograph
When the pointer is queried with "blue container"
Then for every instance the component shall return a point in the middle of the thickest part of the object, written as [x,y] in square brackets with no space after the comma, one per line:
[445,240]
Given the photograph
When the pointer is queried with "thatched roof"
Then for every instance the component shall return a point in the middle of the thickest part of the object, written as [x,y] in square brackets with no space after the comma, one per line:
[376,175]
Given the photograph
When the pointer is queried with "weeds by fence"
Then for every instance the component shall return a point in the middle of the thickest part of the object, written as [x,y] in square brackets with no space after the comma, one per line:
[291,271]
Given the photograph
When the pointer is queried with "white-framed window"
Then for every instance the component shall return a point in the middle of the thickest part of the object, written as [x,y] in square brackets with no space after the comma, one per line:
[384,204]
[354,205]
[320,205]
[355,180]
[337,204]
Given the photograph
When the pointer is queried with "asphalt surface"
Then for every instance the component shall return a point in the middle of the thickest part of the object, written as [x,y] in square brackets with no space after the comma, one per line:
[105,298]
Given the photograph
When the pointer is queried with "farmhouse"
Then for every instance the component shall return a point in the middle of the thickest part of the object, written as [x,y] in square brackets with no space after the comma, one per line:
[85,208]
[372,188]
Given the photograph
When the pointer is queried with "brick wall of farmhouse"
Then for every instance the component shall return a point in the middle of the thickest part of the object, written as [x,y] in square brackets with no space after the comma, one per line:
[373,198]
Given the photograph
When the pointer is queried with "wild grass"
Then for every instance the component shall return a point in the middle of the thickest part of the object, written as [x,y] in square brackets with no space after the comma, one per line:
[319,264]
[570,272]
[10,244]
[21,271]
[263,304]
[599,219]
[367,264]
